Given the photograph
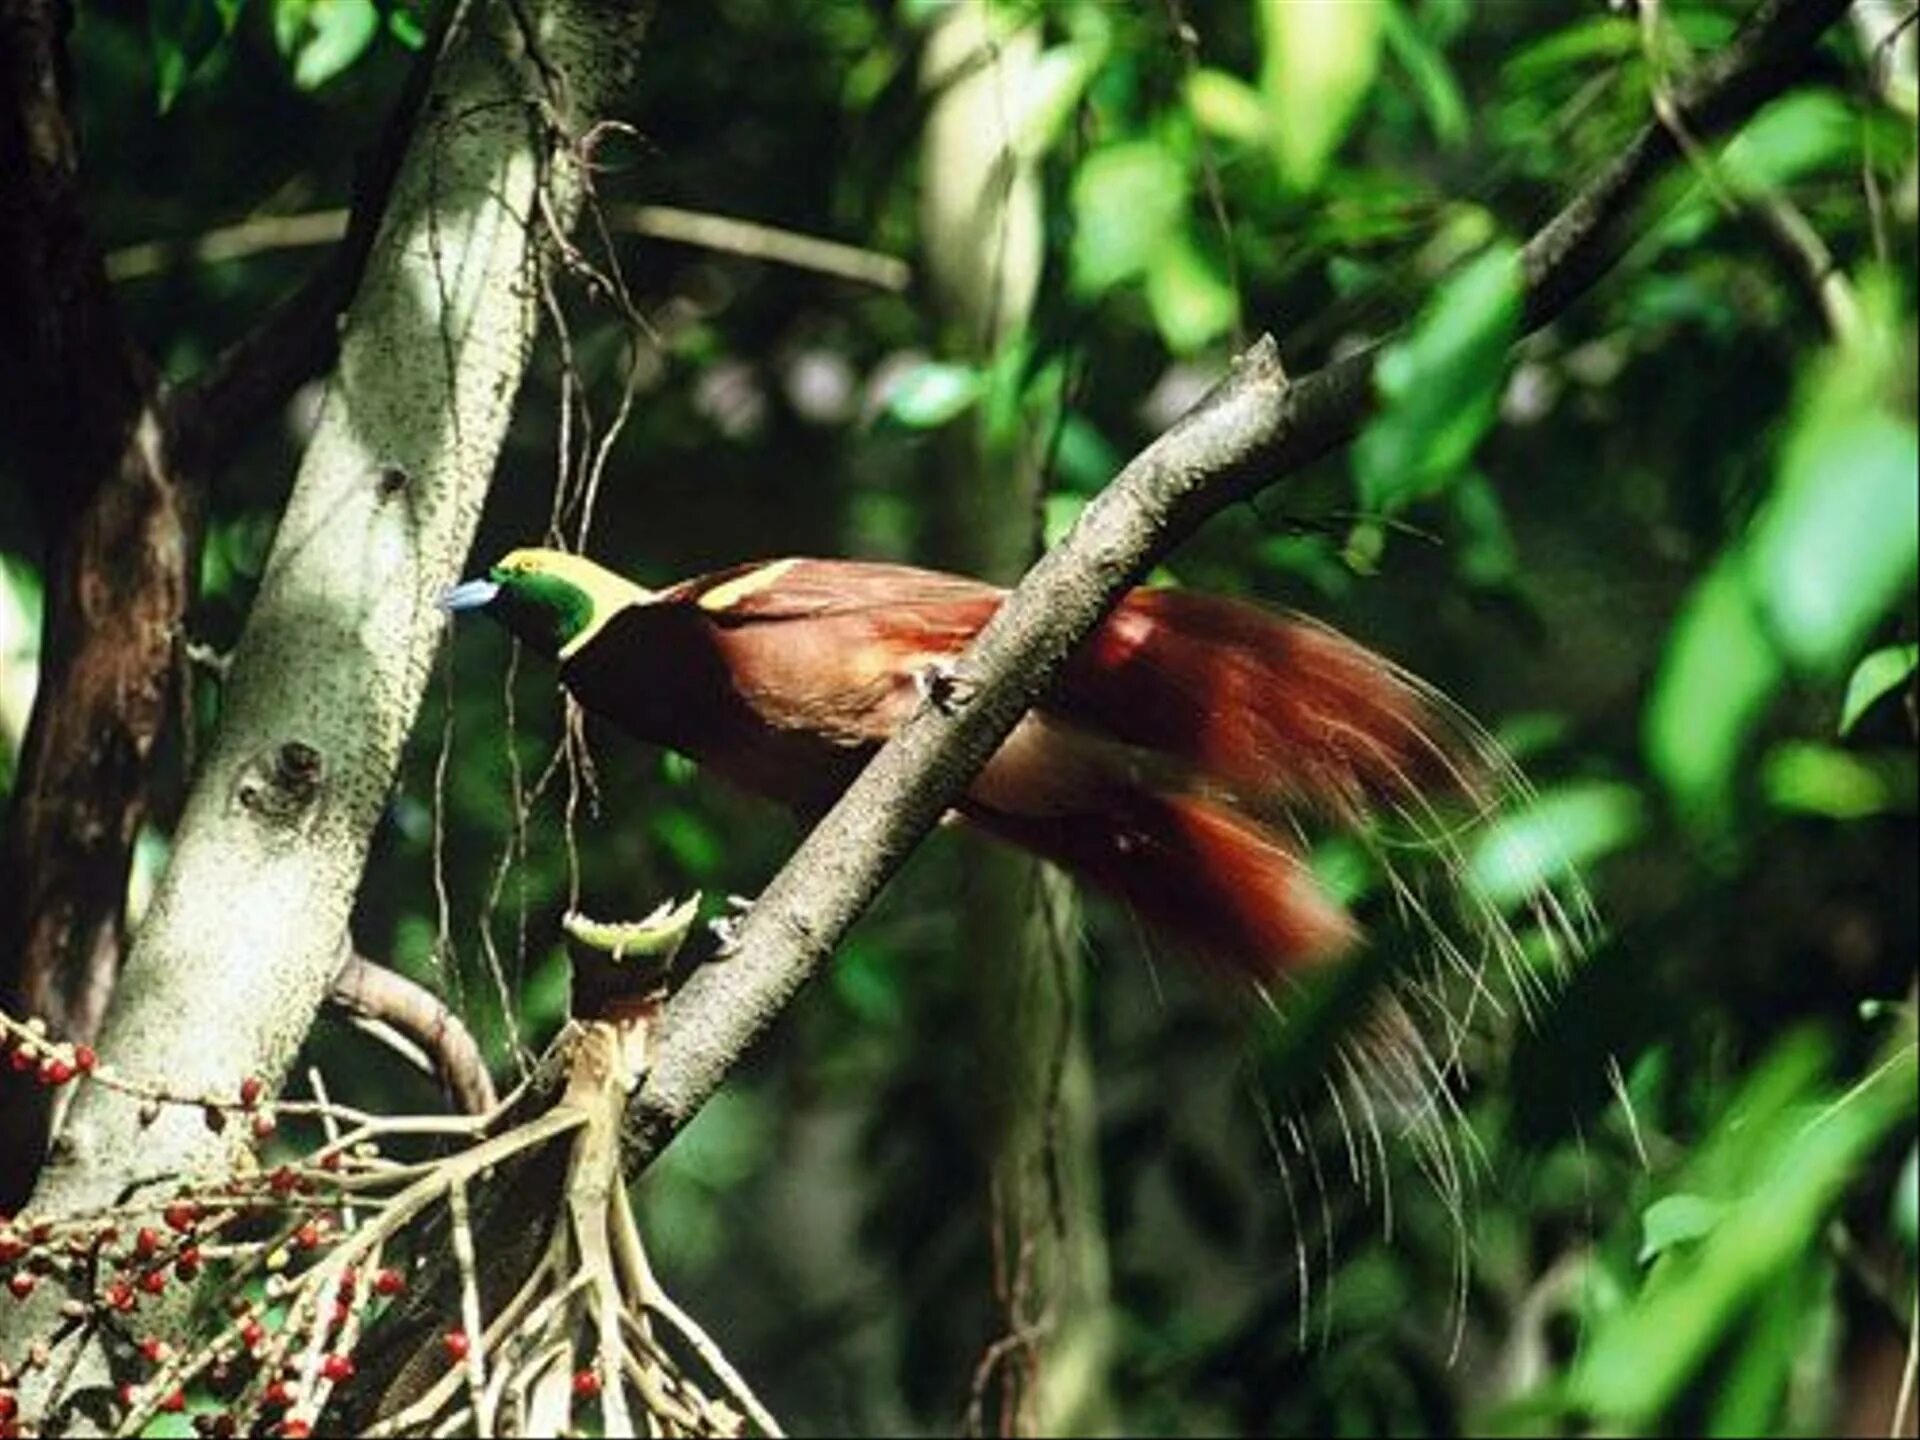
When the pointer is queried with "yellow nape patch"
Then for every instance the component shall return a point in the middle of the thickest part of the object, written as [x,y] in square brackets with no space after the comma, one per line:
[609,592]
[725,597]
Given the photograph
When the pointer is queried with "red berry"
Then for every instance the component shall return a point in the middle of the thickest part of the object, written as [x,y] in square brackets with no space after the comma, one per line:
[55,1071]
[21,1284]
[263,1125]
[12,1247]
[253,1334]
[457,1343]
[295,1429]
[146,1242]
[21,1059]
[181,1215]
[586,1385]
[332,1161]
[175,1402]
[119,1296]
[250,1091]
[188,1265]
[307,1236]
[155,1349]
[389,1282]
[282,1180]
[86,1058]
[9,1407]
[153,1282]
[278,1394]
[337,1368]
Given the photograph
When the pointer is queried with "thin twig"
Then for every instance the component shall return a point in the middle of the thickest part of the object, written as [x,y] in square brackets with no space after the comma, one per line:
[725,233]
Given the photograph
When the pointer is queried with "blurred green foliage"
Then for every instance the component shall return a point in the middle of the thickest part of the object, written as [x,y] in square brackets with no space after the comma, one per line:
[1665,548]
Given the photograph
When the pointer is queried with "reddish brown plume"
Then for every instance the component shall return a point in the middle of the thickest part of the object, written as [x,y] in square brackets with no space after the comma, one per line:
[1183,737]
[1196,872]
[1268,708]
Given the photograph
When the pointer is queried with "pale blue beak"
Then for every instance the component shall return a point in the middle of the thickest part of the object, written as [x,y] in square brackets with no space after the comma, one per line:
[471,595]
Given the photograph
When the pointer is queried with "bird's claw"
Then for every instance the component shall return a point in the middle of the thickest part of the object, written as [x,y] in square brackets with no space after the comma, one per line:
[726,928]
[942,686]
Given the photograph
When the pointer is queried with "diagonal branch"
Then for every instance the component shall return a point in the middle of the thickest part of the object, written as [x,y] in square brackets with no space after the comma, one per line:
[1254,429]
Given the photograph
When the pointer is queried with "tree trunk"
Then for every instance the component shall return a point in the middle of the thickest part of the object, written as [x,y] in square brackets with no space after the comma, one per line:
[981,225]
[249,923]
[91,442]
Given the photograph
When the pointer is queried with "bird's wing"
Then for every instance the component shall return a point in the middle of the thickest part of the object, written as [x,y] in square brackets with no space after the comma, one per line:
[803,589]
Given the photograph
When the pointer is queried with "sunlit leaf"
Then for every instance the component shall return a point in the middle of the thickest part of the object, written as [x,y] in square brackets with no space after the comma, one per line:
[1840,539]
[1799,1148]
[1433,82]
[1800,134]
[931,394]
[1906,1202]
[406,27]
[1677,1220]
[1577,48]
[1440,386]
[1878,675]
[334,35]
[1717,677]
[1192,303]
[1318,60]
[182,35]
[1225,105]
[1824,780]
[1127,200]
[20,610]
[1561,833]
[1050,90]
[1487,554]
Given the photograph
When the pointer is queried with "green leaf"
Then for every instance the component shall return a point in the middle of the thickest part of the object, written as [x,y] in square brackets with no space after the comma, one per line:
[1796,1148]
[1717,677]
[931,394]
[1192,303]
[1905,1210]
[406,27]
[1677,1220]
[1050,89]
[1487,554]
[1433,82]
[1440,385]
[1225,105]
[1879,675]
[1814,779]
[183,34]
[336,33]
[1561,833]
[1128,199]
[1318,60]
[1838,542]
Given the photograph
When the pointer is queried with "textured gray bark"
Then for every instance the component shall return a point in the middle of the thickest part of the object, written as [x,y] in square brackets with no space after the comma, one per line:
[249,924]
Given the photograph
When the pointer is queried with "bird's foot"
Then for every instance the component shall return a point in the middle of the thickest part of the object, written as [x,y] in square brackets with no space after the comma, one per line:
[726,928]
[942,686]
